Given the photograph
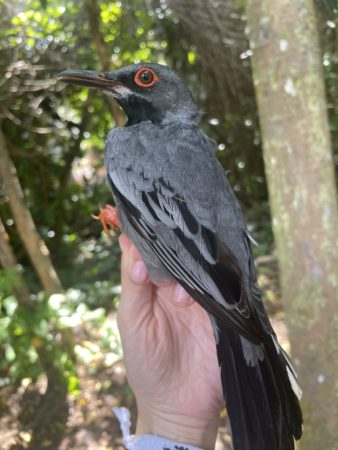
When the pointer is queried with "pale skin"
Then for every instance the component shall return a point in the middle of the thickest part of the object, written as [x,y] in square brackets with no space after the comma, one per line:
[170,356]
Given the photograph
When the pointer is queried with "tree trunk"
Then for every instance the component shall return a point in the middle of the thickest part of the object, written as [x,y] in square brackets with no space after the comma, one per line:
[35,246]
[287,71]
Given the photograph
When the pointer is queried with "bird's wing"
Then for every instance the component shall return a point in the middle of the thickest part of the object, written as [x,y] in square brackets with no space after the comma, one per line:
[189,250]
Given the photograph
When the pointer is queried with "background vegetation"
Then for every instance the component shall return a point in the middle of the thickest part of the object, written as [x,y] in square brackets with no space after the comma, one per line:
[60,357]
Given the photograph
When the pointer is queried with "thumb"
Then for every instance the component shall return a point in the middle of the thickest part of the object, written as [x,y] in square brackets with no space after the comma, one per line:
[136,288]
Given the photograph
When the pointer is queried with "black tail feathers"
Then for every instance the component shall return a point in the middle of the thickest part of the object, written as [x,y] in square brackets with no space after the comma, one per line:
[262,406]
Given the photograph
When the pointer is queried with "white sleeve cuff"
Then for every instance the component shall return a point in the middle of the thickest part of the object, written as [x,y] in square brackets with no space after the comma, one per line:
[150,442]
[146,441]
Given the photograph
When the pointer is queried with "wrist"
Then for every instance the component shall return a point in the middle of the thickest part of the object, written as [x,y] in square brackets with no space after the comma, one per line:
[189,429]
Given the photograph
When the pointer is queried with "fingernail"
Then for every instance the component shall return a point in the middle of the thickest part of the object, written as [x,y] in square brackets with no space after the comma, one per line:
[139,272]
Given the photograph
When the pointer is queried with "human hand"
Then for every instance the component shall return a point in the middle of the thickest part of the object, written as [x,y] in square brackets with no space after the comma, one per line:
[170,356]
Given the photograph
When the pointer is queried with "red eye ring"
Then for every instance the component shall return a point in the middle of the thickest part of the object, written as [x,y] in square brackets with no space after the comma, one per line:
[145,77]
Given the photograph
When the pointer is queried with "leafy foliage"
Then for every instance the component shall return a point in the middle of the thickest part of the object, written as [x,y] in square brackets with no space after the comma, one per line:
[24,332]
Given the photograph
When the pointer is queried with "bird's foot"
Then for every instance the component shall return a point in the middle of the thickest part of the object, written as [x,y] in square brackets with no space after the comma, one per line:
[109,219]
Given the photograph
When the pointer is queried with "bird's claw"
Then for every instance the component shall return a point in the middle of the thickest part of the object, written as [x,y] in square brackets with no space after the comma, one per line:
[109,219]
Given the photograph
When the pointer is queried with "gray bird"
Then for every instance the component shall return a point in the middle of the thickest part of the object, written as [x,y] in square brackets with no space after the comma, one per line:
[175,203]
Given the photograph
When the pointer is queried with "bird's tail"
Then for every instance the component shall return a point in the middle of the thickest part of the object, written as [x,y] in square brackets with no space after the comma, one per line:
[261,398]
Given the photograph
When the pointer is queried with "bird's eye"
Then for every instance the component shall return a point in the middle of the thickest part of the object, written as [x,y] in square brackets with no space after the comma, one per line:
[145,77]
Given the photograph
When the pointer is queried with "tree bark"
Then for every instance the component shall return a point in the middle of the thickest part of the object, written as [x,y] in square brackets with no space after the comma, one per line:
[35,246]
[289,85]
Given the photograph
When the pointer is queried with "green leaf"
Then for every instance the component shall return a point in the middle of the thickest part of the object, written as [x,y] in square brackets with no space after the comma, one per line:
[9,353]
[10,304]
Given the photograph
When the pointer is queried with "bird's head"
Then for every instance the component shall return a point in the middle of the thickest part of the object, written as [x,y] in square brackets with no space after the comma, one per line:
[145,91]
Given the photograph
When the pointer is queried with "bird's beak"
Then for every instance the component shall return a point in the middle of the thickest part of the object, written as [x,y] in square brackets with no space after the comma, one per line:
[88,78]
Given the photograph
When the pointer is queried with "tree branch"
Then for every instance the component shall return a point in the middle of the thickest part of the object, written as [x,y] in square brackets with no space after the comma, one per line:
[35,246]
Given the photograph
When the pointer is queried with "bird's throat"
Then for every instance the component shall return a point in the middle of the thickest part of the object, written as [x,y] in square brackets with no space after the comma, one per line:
[140,110]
